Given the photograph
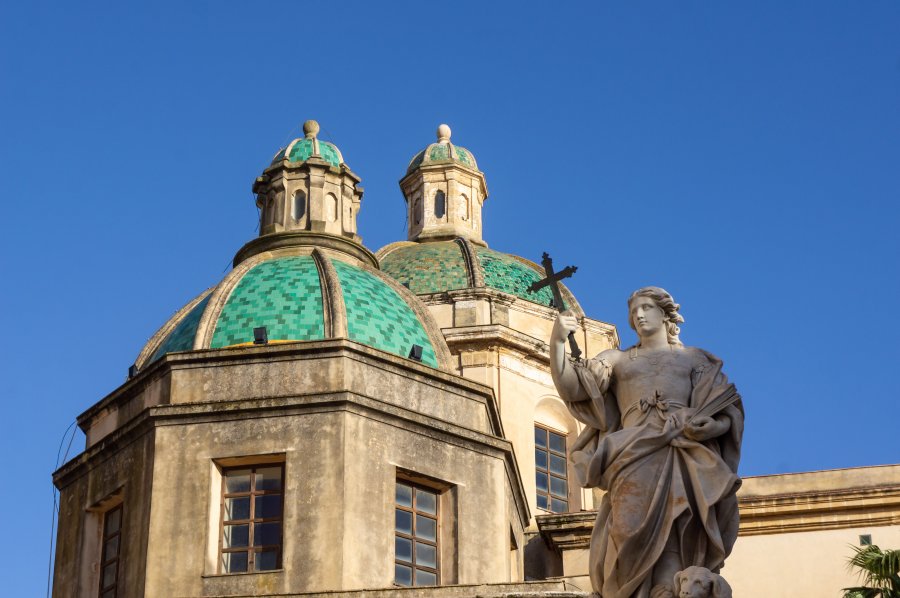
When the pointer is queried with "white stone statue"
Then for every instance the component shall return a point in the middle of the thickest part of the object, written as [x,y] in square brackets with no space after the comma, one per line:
[662,438]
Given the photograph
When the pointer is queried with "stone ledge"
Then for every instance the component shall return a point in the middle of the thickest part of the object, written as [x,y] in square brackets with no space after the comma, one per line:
[528,589]
[567,531]
[777,513]
[489,335]
[264,354]
[819,510]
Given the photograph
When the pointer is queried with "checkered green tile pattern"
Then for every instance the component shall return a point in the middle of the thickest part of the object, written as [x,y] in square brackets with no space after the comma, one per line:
[377,316]
[303,149]
[509,275]
[281,294]
[182,336]
[416,161]
[439,151]
[464,156]
[428,267]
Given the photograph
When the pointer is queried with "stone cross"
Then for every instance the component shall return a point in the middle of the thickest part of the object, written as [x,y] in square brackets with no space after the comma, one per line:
[552,281]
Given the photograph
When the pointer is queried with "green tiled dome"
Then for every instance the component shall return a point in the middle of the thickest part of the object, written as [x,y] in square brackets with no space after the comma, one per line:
[505,273]
[443,152]
[377,316]
[300,150]
[284,294]
[438,266]
[182,337]
[428,267]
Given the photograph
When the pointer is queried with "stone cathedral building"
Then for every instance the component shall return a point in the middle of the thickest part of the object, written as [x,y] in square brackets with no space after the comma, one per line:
[329,419]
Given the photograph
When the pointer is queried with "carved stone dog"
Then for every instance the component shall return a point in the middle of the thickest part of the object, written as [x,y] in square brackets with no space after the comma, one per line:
[699,582]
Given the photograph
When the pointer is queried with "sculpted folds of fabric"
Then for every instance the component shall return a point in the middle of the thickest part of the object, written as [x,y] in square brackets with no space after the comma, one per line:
[661,487]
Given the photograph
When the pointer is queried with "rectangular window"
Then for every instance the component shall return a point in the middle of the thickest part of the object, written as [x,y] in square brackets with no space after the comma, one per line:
[252,503]
[416,544]
[109,556]
[550,470]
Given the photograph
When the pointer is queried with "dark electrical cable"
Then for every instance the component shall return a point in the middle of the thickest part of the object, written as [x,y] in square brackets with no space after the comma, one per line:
[54,512]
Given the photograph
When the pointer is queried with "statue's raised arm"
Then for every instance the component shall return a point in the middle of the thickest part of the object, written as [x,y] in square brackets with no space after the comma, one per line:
[663,438]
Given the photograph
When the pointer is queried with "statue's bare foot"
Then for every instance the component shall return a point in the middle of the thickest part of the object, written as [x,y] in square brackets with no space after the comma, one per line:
[662,591]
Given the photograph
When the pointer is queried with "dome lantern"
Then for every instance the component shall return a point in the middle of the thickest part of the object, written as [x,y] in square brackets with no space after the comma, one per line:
[444,192]
[308,187]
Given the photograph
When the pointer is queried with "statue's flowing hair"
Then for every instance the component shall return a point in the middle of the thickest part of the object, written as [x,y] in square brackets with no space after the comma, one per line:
[666,303]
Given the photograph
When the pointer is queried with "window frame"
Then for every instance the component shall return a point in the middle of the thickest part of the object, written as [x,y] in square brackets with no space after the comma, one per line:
[440,205]
[251,549]
[298,205]
[437,492]
[549,494]
[105,537]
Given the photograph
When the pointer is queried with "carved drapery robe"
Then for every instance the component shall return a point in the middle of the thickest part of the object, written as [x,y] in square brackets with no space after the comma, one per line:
[663,490]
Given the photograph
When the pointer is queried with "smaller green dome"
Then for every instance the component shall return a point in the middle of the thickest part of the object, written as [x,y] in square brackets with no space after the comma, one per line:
[300,150]
[443,152]
[438,266]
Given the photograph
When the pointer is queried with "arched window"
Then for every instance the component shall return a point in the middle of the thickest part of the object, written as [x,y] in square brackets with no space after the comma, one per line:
[465,208]
[417,210]
[330,207]
[262,202]
[440,205]
[270,209]
[298,206]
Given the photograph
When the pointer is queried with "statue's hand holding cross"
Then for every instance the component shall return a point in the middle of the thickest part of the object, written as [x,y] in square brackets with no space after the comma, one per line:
[552,281]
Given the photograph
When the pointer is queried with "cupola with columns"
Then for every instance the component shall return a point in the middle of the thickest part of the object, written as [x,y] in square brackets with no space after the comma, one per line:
[444,192]
[308,187]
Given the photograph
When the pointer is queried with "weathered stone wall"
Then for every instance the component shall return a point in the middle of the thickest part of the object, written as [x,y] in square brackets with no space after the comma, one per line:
[345,420]
[119,471]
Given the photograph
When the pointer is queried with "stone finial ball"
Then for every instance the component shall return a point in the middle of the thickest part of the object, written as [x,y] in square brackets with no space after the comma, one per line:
[310,128]
[443,133]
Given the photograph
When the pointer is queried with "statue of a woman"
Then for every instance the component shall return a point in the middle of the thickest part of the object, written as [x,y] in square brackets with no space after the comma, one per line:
[662,438]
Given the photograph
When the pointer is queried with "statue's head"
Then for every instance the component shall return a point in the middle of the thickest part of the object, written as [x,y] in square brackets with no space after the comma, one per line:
[664,301]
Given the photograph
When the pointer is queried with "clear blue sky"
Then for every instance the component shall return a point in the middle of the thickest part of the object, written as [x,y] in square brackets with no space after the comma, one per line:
[742,155]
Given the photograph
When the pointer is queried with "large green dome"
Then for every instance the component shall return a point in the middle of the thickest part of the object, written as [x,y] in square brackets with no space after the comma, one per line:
[285,294]
[439,266]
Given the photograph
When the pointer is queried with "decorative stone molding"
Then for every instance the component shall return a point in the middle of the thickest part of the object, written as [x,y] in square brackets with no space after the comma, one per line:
[876,505]
[305,239]
[482,337]
[567,531]
[789,503]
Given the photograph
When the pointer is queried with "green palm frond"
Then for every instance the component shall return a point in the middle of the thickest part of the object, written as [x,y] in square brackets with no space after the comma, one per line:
[880,570]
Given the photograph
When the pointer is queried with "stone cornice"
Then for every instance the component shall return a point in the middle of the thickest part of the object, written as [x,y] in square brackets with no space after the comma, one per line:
[288,351]
[815,510]
[553,588]
[491,335]
[766,514]
[245,409]
[281,240]
[567,531]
